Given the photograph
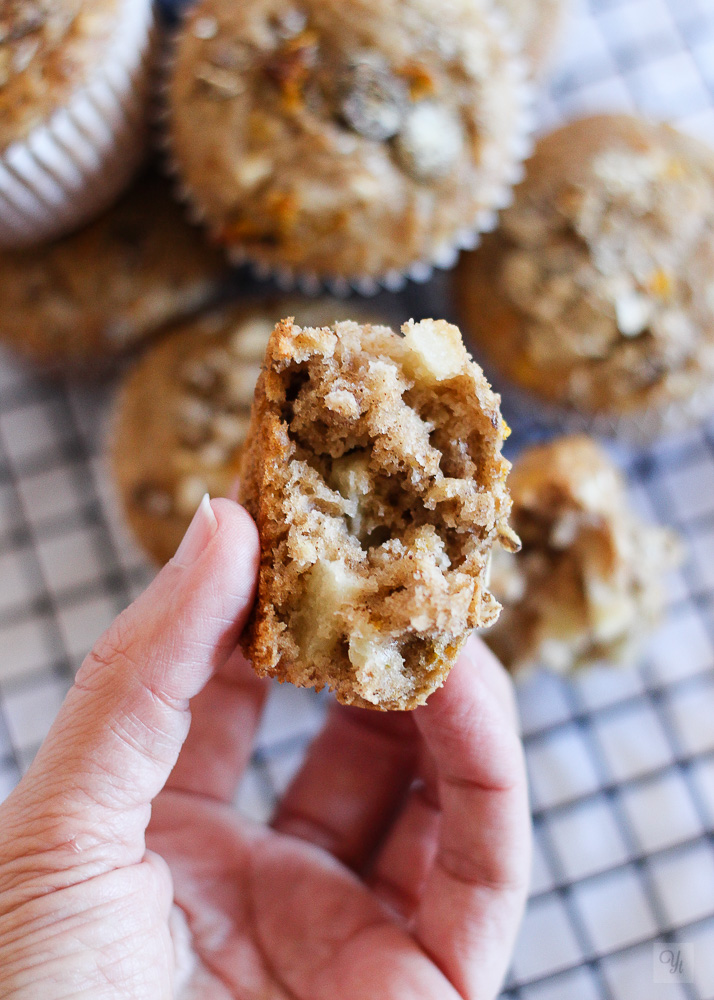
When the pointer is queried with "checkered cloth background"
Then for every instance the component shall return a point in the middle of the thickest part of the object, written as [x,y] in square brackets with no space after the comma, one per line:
[621,763]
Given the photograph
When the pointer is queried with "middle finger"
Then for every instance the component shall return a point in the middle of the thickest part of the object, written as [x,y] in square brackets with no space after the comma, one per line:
[351,783]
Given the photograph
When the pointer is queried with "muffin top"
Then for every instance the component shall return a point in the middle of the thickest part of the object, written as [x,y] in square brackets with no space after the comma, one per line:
[588,583]
[604,268]
[98,292]
[47,50]
[342,138]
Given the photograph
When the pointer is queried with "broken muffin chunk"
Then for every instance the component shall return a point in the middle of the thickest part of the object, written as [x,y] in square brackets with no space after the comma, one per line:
[373,468]
[588,585]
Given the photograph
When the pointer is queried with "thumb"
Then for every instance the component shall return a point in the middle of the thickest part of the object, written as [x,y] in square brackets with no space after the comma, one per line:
[120,729]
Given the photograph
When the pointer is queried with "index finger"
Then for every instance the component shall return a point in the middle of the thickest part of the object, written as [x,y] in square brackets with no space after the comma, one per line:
[474,896]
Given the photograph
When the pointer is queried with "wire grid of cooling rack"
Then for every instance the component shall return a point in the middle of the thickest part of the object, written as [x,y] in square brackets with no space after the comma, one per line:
[621,763]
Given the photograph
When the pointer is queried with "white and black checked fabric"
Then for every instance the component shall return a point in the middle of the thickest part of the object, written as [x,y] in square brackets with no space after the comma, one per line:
[621,763]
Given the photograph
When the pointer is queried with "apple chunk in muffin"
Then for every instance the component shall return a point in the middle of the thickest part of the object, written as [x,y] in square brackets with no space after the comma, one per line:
[374,471]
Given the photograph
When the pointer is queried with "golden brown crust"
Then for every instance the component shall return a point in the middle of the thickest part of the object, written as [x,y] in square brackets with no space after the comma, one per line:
[86,298]
[343,139]
[375,475]
[587,586]
[183,411]
[585,297]
[48,49]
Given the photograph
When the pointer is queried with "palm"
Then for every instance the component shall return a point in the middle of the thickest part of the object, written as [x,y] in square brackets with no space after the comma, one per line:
[264,910]
[368,883]
[357,889]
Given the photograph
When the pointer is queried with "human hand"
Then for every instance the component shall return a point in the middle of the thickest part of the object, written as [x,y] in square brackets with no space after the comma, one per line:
[396,866]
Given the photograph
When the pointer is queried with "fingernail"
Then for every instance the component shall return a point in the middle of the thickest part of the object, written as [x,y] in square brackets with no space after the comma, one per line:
[198,534]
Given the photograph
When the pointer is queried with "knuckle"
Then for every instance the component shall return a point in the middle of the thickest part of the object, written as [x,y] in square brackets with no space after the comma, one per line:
[112,650]
[495,874]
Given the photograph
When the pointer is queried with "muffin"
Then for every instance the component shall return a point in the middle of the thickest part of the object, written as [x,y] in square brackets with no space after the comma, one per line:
[74,89]
[345,140]
[88,297]
[374,472]
[183,412]
[537,25]
[588,584]
[596,292]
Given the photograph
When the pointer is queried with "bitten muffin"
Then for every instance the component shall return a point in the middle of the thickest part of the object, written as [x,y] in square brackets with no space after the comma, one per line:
[183,412]
[74,96]
[588,585]
[537,25]
[374,472]
[597,290]
[345,139]
[88,297]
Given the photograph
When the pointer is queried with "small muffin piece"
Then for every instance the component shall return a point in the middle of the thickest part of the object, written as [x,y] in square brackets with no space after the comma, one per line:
[375,475]
[346,139]
[91,296]
[537,24]
[183,412]
[596,292]
[75,81]
[588,584]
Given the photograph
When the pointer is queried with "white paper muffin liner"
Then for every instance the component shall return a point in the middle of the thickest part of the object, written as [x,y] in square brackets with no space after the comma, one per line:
[72,166]
[444,255]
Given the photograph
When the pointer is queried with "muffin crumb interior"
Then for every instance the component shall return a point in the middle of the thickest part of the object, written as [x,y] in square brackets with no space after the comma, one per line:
[384,510]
